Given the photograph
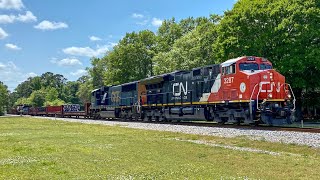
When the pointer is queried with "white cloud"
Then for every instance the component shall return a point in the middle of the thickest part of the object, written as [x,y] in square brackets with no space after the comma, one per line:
[12,47]
[28,17]
[156,22]
[138,16]
[11,75]
[11,4]
[6,19]
[94,38]
[87,51]
[79,72]
[47,25]
[67,62]
[3,34]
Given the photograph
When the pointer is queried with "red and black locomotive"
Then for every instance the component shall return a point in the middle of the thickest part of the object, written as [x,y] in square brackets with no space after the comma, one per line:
[241,90]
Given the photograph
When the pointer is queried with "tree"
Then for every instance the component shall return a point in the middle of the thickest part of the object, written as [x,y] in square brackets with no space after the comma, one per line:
[85,88]
[22,100]
[56,102]
[37,98]
[24,89]
[131,59]
[4,94]
[168,33]
[97,71]
[70,90]
[48,87]
[191,50]
[284,31]
[52,94]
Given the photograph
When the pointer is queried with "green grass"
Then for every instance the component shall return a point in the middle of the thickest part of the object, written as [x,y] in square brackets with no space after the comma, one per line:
[43,149]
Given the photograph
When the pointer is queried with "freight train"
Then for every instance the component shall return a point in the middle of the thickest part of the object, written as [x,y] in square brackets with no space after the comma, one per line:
[241,90]
[68,110]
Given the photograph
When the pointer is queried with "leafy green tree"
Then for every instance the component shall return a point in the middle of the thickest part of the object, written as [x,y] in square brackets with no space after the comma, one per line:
[168,33]
[24,89]
[4,94]
[191,50]
[52,94]
[36,83]
[56,102]
[70,90]
[284,31]
[37,98]
[48,84]
[97,71]
[57,81]
[131,59]
[85,88]
[22,100]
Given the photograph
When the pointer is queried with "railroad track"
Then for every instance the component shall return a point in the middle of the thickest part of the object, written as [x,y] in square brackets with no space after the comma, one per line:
[213,124]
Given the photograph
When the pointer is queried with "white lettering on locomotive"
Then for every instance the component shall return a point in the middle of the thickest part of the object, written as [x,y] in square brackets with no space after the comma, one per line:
[180,90]
[228,80]
[269,86]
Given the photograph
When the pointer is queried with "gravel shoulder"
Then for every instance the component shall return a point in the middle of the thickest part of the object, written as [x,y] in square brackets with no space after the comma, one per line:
[299,138]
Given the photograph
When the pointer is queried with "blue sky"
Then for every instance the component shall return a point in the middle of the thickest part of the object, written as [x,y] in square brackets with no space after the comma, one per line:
[61,36]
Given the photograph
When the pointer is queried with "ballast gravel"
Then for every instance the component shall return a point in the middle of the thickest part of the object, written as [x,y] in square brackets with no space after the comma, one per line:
[288,137]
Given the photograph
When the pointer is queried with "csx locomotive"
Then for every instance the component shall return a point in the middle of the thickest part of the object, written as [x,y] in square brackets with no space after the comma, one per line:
[241,90]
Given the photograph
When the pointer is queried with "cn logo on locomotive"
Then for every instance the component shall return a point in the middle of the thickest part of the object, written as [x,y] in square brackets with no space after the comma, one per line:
[178,88]
[269,86]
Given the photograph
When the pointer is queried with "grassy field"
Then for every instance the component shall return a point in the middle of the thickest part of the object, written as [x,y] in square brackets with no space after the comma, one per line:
[43,149]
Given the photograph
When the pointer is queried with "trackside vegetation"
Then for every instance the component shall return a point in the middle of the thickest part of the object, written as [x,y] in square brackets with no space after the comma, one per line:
[49,149]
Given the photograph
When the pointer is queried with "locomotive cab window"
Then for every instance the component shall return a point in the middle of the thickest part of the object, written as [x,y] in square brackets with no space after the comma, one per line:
[265,66]
[229,69]
[248,66]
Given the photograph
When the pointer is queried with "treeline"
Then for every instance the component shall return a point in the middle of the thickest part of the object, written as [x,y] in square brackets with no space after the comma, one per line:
[284,31]
[47,89]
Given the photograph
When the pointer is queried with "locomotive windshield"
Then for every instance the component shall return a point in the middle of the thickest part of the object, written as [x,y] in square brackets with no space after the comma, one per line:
[248,66]
[265,66]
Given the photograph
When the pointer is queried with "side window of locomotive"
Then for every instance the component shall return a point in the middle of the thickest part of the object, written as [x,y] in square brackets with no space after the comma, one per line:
[207,71]
[230,69]
[196,72]
[248,66]
[265,66]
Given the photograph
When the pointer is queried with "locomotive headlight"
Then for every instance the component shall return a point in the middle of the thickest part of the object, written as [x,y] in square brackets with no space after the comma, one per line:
[289,96]
[270,95]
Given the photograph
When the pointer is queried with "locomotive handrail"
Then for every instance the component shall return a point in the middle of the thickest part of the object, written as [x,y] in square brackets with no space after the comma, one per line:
[291,91]
[250,107]
[253,91]
[294,98]
[260,88]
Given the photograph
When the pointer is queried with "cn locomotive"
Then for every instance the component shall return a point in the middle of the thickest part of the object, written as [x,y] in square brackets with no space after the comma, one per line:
[242,90]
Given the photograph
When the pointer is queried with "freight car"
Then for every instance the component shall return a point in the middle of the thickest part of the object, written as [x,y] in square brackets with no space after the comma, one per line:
[69,110]
[241,90]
